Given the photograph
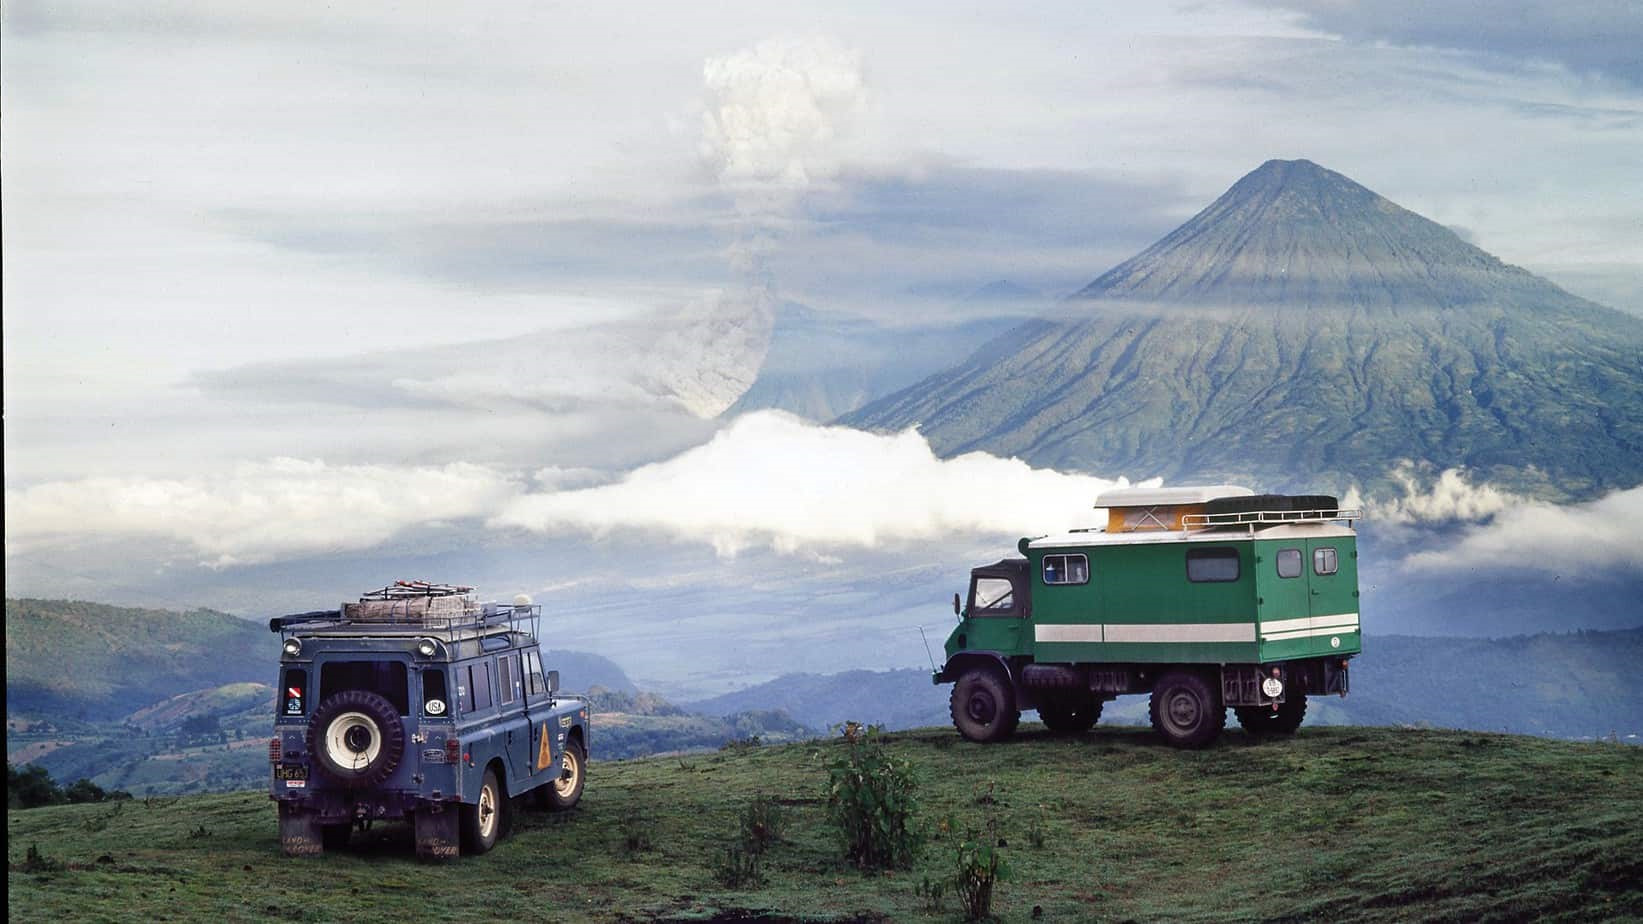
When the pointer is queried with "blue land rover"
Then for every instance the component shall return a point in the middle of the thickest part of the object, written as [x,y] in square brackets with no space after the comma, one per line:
[418,703]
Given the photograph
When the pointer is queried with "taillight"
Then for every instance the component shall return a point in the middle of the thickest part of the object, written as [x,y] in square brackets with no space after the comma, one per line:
[275,751]
[453,750]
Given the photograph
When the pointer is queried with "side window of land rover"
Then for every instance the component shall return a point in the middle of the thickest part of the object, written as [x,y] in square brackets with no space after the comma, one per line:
[1066,569]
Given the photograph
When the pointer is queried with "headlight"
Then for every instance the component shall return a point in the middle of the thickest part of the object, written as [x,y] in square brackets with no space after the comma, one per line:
[292,647]
[426,648]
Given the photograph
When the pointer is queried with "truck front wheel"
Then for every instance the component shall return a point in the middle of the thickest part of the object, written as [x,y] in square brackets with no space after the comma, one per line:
[1186,711]
[983,706]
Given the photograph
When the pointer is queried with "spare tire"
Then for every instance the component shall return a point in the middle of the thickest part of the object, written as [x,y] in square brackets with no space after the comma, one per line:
[356,738]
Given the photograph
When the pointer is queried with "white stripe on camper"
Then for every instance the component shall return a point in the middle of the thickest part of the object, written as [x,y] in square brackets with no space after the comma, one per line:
[1179,632]
[1182,632]
[1086,632]
[1311,627]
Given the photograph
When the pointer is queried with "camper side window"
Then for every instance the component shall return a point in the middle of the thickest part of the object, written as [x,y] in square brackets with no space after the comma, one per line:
[1289,563]
[1324,561]
[1066,569]
[1212,565]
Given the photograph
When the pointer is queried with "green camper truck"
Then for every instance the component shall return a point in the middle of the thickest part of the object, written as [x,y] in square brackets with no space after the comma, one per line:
[1205,597]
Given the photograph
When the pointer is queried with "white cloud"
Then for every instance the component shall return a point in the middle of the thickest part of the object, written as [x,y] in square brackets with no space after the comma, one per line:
[771,479]
[1566,540]
[1450,496]
[259,511]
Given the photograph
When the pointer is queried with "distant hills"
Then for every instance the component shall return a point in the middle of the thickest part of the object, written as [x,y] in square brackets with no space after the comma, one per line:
[1574,685]
[1303,332]
[93,661]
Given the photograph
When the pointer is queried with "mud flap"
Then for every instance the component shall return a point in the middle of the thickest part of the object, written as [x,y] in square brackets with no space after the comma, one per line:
[299,832]
[438,832]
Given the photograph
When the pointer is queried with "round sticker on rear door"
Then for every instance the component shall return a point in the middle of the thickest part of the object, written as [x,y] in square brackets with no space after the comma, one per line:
[435,707]
[1335,641]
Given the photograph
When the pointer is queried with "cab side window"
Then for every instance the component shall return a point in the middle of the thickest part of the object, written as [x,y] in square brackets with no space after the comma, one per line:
[993,596]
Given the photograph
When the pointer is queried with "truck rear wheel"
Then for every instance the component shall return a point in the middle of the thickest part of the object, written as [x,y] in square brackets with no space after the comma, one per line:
[1070,716]
[1268,721]
[983,706]
[1186,711]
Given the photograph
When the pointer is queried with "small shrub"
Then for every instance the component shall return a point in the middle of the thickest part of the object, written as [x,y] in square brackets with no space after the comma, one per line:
[742,744]
[31,786]
[739,867]
[635,828]
[870,799]
[931,892]
[200,833]
[763,822]
[981,867]
[1035,829]
[36,862]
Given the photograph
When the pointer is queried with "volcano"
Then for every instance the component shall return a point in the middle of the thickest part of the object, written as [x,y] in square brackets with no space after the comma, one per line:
[1303,331]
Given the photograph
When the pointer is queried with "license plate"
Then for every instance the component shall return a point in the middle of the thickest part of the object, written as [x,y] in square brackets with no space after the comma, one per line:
[291,773]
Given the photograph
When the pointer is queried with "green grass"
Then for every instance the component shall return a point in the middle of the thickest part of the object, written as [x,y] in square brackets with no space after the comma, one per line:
[1338,824]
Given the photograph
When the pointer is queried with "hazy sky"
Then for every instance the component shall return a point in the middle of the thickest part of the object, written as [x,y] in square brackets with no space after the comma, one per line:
[290,280]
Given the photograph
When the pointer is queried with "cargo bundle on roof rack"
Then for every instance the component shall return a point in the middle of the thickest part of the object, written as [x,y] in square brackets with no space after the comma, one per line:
[413,602]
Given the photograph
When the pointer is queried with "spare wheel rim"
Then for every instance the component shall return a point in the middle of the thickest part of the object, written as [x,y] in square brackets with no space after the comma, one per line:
[353,741]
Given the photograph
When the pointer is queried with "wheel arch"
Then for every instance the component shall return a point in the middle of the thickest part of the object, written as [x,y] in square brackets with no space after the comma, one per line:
[965,661]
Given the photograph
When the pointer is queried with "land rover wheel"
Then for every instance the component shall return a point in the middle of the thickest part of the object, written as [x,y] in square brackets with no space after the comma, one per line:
[565,791]
[1069,716]
[1186,711]
[1264,720]
[983,706]
[357,738]
[482,821]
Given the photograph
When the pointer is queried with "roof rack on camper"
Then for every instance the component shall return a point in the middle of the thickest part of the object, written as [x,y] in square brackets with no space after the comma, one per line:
[1214,506]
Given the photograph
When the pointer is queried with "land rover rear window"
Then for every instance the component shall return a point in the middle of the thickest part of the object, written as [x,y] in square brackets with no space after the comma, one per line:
[434,700]
[994,594]
[1289,563]
[1066,569]
[294,698]
[1324,561]
[1212,565]
[386,679]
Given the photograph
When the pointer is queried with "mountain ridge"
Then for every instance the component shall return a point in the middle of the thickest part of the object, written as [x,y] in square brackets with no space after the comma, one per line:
[1303,332]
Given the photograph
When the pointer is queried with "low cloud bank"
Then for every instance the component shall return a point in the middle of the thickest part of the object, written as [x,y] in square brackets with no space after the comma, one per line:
[769,479]
[259,511]
[1573,539]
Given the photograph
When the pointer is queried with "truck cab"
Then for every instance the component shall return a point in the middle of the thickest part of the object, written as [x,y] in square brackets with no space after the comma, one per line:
[417,703]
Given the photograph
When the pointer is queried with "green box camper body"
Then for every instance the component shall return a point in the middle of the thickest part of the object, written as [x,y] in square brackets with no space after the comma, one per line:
[1213,583]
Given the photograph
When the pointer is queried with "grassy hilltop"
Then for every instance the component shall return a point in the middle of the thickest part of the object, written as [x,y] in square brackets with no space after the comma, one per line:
[1337,824]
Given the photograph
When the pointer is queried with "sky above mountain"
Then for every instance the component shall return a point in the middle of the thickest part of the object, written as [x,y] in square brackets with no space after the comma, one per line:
[288,284]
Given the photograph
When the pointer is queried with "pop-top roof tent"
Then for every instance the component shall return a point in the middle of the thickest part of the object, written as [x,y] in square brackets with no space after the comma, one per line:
[1132,509]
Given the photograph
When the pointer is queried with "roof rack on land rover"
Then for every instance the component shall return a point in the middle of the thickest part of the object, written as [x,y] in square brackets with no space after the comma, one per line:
[413,606]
